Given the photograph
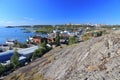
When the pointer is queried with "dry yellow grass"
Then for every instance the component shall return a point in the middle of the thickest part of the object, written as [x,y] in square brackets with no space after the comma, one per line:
[92,68]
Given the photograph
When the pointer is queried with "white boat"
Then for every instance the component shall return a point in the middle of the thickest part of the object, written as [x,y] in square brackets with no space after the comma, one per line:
[11,42]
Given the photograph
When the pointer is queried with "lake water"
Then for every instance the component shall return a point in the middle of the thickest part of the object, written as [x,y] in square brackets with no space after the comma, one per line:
[13,33]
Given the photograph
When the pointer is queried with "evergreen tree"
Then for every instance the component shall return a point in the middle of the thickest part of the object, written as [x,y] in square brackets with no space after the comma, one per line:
[1,69]
[43,44]
[15,59]
[57,39]
[40,51]
[34,54]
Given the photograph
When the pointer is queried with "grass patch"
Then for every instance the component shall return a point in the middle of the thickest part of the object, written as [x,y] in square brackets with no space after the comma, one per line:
[38,77]
[33,71]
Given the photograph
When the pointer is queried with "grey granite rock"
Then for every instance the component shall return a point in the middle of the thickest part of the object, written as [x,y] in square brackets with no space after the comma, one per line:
[95,59]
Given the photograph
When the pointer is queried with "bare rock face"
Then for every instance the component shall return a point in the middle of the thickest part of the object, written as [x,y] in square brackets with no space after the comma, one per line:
[95,59]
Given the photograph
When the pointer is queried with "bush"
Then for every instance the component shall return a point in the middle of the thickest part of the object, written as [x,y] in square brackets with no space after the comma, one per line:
[72,40]
[40,51]
[8,67]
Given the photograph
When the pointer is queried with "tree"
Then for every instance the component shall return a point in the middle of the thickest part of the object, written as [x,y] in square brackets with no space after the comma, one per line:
[39,52]
[72,40]
[22,45]
[43,48]
[15,59]
[57,39]
[43,44]
[34,55]
[1,69]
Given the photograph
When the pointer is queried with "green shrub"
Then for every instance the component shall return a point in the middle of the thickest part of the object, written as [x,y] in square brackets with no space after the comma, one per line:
[72,40]
[40,51]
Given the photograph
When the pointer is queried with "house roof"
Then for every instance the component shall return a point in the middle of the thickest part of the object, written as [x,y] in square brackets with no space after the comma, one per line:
[27,51]
[4,56]
[8,61]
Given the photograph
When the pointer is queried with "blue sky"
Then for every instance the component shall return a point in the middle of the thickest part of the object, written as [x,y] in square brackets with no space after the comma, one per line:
[23,12]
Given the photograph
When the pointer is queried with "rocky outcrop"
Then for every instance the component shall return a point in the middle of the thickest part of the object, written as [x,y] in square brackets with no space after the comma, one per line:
[95,59]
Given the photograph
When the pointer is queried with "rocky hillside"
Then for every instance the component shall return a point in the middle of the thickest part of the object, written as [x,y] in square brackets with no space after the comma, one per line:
[95,59]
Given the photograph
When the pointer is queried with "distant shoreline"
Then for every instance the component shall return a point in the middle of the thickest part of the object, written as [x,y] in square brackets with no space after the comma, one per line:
[10,27]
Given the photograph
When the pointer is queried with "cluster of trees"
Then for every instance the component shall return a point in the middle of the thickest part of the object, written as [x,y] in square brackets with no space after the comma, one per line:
[21,45]
[72,27]
[70,40]
[111,26]
[14,64]
[96,34]
[93,34]
[43,48]
[41,26]
[14,60]
[46,29]
[5,69]
[2,69]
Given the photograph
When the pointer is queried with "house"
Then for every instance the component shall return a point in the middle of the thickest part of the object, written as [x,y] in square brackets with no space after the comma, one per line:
[37,39]
[72,34]
[64,41]
[51,37]
[56,31]
[65,34]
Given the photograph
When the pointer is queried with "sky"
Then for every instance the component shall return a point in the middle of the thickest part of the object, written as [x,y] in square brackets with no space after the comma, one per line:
[33,12]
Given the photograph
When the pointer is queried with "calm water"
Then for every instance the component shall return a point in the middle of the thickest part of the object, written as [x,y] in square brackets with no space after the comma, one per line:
[13,33]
